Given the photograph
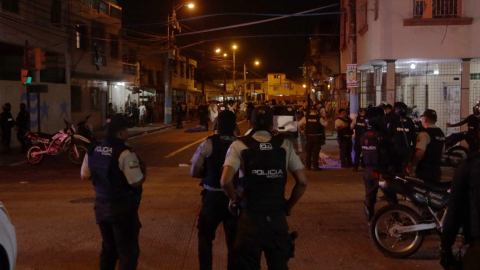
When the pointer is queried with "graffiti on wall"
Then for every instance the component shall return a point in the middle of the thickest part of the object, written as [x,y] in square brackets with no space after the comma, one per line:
[44,108]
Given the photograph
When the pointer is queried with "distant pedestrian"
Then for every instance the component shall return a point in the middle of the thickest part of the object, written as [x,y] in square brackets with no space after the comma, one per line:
[344,138]
[23,125]
[203,114]
[110,110]
[142,114]
[213,111]
[135,114]
[6,125]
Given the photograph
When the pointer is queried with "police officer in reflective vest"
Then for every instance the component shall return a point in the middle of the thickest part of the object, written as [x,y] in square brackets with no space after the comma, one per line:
[359,127]
[429,149]
[472,122]
[463,211]
[263,160]
[313,127]
[207,163]
[117,175]
[6,125]
[401,131]
[375,158]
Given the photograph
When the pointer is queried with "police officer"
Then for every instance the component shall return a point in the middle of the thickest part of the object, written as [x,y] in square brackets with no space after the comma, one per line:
[23,124]
[263,160]
[359,127]
[344,138]
[117,175]
[207,163]
[6,125]
[472,122]
[389,114]
[401,131]
[429,149]
[203,114]
[313,127]
[463,210]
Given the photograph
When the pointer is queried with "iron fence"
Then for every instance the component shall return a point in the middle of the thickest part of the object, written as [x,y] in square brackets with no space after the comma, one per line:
[436,8]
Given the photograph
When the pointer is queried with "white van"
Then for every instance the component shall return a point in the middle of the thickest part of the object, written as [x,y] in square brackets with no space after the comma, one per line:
[8,241]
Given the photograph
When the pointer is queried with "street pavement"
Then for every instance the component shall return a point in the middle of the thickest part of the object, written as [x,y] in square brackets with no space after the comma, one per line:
[52,210]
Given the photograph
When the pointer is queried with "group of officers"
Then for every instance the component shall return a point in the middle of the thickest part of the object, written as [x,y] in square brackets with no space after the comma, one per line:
[244,180]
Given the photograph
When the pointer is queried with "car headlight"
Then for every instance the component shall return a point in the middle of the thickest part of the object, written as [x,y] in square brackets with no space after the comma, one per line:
[4,209]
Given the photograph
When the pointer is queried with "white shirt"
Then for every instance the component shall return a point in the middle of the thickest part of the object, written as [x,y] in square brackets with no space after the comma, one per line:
[423,139]
[243,107]
[128,163]
[142,110]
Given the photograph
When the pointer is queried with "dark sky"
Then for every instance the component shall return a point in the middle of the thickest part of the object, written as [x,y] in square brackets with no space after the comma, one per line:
[276,54]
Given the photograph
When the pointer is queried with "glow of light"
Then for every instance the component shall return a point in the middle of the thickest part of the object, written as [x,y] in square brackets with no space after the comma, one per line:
[224,55]
[304,86]
[436,72]
[116,87]
[413,66]
[217,51]
[190,5]
[120,83]
[234,47]
[257,63]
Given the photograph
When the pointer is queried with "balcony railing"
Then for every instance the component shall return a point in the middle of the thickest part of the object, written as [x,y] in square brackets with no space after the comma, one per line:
[428,9]
[104,7]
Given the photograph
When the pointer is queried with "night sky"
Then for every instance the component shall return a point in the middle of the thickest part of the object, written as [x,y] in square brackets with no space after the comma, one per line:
[276,54]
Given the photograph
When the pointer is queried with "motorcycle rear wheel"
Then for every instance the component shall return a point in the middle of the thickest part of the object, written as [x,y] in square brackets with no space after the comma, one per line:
[37,159]
[72,155]
[457,155]
[385,242]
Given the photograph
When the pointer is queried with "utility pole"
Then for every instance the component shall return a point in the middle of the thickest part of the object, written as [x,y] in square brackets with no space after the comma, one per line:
[168,79]
[234,83]
[309,80]
[244,82]
[353,51]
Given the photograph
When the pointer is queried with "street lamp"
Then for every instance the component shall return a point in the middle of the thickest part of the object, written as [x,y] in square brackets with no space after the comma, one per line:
[234,82]
[190,5]
[172,19]
[304,86]
[217,51]
[257,63]
[224,55]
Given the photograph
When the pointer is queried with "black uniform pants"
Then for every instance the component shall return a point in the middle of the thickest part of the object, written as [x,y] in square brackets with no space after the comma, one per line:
[345,144]
[313,147]
[22,138]
[179,120]
[204,121]
[259,233]
[120,243]
[371,190]
[5,139]
[358,150]
[473,142]
[402,158]
[215,211]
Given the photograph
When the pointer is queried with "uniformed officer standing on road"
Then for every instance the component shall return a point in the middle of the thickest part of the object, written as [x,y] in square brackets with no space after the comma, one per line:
[23,124]
[429,149]
[263,160]
[472,122]
[207,163]
[6,125]
[401,131]
[344,137]
[359,127]
[117,175]
[374,145]
[313,127]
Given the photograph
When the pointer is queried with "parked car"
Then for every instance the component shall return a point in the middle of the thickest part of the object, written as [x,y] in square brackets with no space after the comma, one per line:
[285,120]
[8,241]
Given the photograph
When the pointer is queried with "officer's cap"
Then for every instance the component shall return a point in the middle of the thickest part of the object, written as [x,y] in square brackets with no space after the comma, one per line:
[115,124]
[430,114]
[262,116]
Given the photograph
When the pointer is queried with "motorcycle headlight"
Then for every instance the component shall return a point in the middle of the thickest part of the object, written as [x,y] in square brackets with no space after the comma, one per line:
[4,209]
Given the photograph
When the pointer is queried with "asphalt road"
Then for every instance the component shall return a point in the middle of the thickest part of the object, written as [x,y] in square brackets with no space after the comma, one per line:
[52,210]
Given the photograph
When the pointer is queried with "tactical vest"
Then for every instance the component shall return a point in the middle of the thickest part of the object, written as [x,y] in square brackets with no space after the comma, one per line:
[214,163]
[374,150]
[401,130]
[111,185]
[432,158]
[313,126]
[346,131]
[265,175]
[472,124]
[360,126]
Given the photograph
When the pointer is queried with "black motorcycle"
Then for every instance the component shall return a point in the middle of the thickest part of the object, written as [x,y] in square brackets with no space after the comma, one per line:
[64,141]
[398,230]
[454,153]
[85,130]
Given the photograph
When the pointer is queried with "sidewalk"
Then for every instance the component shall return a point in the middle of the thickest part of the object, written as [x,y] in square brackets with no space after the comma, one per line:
[17,158]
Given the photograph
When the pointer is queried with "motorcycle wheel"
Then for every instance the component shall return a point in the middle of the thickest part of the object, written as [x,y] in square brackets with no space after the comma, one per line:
[456,155]
[72,155]
[34,159]
[392,244]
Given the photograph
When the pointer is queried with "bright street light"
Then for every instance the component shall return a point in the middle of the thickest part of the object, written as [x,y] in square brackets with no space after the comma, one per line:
[190,5]
[257,63]
[217,51]
[234,47]
[304,86]
[224,55]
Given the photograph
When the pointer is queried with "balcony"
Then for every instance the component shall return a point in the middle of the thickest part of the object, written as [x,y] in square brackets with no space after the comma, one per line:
[104,7]
[437,12]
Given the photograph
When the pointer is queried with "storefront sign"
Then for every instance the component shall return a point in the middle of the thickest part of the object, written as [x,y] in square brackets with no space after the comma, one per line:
[352,76]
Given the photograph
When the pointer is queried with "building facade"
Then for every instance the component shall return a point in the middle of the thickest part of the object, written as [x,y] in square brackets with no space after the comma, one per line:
[422,52]
[279,87]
